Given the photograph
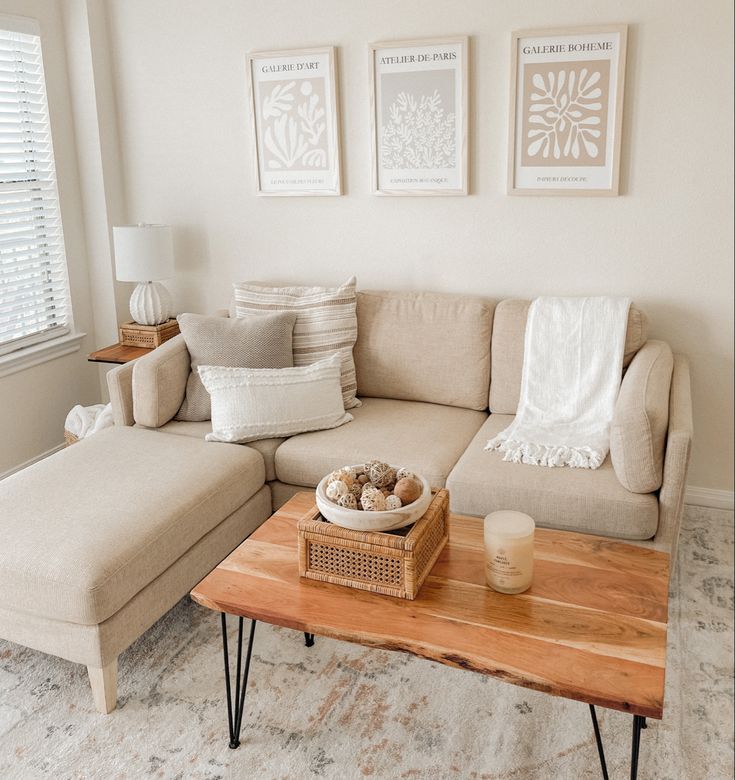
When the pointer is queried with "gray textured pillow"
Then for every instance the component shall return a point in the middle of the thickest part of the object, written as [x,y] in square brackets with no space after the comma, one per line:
[253,342]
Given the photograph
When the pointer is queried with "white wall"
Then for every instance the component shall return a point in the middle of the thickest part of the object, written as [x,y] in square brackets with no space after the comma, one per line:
[667,241]
[34,402]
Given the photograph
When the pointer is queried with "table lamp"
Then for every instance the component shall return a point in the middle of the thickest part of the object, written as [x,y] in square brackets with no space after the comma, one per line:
[144,254]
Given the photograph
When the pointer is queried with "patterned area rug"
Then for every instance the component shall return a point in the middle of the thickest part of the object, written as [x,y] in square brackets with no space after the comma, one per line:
[341,711]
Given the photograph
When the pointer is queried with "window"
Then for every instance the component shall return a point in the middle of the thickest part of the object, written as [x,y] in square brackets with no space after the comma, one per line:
[34,287]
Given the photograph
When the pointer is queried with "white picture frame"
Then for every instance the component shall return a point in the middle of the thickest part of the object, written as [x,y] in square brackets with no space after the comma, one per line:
[414,79]
[294,108]
[566,111]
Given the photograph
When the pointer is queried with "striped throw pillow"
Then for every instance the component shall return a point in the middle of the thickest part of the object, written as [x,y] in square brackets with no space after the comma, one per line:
[326,322]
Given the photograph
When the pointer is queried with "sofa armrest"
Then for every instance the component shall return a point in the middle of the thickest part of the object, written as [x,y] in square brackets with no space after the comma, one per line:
[641,419]
[676,463]
[159,383]
[120,387]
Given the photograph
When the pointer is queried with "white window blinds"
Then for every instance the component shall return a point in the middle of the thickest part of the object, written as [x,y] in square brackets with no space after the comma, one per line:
[34,288]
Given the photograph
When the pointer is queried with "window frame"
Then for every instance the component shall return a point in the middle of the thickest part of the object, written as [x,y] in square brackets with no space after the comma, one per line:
[63,339]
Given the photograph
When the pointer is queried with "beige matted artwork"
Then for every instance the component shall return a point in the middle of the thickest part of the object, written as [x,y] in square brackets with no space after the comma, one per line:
[295,122]
[566,111]
[418,108]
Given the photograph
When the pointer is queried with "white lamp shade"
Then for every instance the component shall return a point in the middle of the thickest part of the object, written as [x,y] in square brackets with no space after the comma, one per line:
[143,253]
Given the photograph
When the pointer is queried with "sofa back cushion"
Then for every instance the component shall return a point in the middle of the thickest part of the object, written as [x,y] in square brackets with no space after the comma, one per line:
[641,419]
[509,332]
[416,346]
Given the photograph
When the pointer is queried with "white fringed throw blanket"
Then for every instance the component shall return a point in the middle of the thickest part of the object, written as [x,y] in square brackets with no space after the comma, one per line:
[572,367]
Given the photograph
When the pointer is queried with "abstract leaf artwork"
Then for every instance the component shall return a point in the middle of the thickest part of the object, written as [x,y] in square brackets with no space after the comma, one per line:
[565,113]
[294,108]
[419,133]
[566,121]
[420,116]
[295,127]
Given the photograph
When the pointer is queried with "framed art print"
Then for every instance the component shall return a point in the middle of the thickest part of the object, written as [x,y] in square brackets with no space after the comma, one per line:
[419,117]
[293,100]
[566,111]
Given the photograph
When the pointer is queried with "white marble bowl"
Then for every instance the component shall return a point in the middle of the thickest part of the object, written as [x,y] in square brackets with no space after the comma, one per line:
[360,520]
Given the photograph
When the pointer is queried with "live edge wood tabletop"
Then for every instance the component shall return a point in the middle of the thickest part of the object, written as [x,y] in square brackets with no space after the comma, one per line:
[591,628]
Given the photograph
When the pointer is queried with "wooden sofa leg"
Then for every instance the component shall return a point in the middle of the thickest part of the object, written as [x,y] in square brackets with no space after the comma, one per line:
[104,686]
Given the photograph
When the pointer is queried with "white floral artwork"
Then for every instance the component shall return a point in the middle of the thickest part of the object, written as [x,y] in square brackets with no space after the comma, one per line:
[294,123]
[565,114]
[418,133]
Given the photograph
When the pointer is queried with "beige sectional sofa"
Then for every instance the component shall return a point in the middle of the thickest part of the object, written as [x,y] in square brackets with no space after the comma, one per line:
[439,375]
[110,533]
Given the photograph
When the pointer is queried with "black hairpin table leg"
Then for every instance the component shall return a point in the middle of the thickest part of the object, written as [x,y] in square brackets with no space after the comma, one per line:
[309,639]
[598,739]
[234,717]
[639,723]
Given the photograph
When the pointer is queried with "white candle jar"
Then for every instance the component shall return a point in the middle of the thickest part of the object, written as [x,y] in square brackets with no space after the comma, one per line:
[509,551]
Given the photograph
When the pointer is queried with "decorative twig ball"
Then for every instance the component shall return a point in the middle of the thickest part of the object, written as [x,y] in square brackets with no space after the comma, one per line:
[381,474]
[336,489]
[408,490]
[373,501]
[404,473]
[348,501]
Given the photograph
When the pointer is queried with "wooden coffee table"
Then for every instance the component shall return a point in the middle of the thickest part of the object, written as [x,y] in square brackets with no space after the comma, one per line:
[592,627]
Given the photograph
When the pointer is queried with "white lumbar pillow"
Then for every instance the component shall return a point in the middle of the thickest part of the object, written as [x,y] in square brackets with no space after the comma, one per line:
[263,403]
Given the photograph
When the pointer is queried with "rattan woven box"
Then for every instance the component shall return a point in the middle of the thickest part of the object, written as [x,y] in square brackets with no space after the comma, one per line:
[151,336]
[394,563]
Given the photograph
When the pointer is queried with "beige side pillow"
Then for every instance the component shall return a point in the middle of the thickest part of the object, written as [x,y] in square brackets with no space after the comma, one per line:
[265,342]
[250,404]
[326,322]
[641,419]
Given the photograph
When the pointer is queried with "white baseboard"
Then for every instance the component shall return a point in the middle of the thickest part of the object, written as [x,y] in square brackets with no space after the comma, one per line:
[31,461]
[716,499]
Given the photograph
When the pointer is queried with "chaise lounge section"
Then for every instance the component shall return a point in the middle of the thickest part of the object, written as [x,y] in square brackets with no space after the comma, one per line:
[105,537]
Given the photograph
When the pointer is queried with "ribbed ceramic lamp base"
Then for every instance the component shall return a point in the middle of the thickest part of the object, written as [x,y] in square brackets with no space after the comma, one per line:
[150,304]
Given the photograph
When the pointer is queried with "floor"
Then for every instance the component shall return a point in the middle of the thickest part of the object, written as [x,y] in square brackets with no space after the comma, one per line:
[340,711]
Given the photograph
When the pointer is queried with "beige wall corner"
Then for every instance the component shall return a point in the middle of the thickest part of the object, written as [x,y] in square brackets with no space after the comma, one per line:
[100,174]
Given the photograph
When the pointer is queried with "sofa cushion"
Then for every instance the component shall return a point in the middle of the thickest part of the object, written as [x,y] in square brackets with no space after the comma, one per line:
[589,501]
[255,342]
[95,523]
[198,430]
[509,333]
[424,347]
[638,431]
[325,322]
[426,438]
